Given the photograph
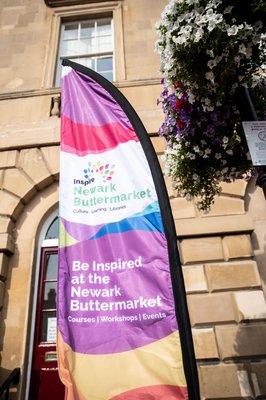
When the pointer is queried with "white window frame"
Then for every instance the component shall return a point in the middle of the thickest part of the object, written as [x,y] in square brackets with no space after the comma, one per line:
[96,55]
[85,12]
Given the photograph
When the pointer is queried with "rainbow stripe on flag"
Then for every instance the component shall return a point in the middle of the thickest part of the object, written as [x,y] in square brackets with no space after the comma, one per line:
[118,336]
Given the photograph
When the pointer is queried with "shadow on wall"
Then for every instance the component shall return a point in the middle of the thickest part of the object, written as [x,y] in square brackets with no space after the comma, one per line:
[249,350]
[255,205]
[9,381]
[246,342]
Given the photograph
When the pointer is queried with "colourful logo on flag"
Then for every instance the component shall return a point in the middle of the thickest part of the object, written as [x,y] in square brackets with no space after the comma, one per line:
[105,171]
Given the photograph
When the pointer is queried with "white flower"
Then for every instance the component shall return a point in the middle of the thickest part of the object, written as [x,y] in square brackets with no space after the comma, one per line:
[207,108]
[249,50]
[191,98]
[157,25]
[218,156]
[207,152]
[230,152]
[232,30]
[211,64]
[214,20]
[182,193]
[198,35]
[210,76]
[225,139]
[191,156]
[206,104]
[210,53]
[242,49]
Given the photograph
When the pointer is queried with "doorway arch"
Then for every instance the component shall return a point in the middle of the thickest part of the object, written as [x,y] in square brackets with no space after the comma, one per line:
[43,381]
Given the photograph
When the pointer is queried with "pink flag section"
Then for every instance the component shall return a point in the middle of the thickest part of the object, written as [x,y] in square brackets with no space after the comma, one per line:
[83,139]
[118,334]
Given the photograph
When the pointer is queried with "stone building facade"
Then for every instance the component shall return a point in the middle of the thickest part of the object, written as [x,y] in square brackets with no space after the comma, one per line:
[222,252]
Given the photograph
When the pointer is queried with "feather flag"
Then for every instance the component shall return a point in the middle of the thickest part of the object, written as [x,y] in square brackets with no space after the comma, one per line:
[123,326]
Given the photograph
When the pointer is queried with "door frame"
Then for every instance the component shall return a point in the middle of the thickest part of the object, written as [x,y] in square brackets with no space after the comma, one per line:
[42,242]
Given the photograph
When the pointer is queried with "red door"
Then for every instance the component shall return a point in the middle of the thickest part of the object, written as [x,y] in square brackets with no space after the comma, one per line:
[45,383]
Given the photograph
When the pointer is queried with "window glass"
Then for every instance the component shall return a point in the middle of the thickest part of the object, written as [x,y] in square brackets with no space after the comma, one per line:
[70,32]
[51,266]
[87,30]
[49,301]
[104,43]
[48,326]
[103,28]
[105,67]
[70,47]
[86,46]
[89,62]
[105,64]
[88,43]
[53,230]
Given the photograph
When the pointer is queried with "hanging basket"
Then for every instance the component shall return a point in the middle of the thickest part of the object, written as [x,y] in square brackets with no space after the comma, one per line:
[209,50]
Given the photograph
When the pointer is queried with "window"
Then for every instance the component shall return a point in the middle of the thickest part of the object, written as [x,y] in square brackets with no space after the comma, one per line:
[48,296]
[46,307]
[90,43]
[62,31]
[53,230]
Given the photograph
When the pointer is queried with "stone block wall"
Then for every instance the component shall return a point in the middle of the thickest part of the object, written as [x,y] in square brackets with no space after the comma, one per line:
[25,174]
[225,294]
